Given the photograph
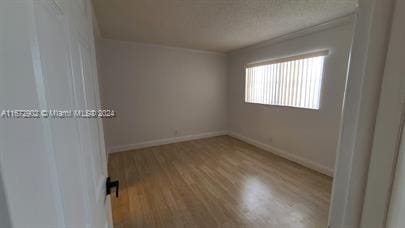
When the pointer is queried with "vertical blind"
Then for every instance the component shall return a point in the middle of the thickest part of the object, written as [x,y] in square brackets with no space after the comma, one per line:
[294,81]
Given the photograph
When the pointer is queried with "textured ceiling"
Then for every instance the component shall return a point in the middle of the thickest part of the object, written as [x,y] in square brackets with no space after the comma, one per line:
[213,25]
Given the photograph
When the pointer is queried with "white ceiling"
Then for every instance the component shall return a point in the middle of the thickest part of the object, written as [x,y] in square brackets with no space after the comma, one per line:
[213,25]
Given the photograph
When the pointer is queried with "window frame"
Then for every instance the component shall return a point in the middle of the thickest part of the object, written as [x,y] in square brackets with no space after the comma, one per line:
[317,53]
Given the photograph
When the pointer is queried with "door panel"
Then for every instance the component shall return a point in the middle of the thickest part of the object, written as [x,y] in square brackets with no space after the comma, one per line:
[89,128]
[54,54]
[28,175]
[53,169]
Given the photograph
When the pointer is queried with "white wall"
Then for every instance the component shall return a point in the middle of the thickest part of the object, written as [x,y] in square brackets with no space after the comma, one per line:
[157,90]
[307,136]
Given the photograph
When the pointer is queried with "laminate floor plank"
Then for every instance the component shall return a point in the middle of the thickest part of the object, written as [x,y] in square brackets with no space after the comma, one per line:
[216,182]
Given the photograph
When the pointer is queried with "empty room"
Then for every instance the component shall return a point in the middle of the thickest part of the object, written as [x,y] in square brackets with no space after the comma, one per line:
[227,112]
[202,113]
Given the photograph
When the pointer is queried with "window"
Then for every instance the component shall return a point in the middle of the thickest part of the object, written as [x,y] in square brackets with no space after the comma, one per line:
[294,81]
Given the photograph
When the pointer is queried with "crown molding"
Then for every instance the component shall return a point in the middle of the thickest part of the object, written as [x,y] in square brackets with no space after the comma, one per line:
[349,18]
[152,45]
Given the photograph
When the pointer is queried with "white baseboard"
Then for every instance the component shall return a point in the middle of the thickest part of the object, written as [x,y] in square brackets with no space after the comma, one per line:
[159,142]
[287,155]
[292,157]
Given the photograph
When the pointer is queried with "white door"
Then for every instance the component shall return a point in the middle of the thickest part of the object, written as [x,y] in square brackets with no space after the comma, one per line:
[90,130]
[53,169]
